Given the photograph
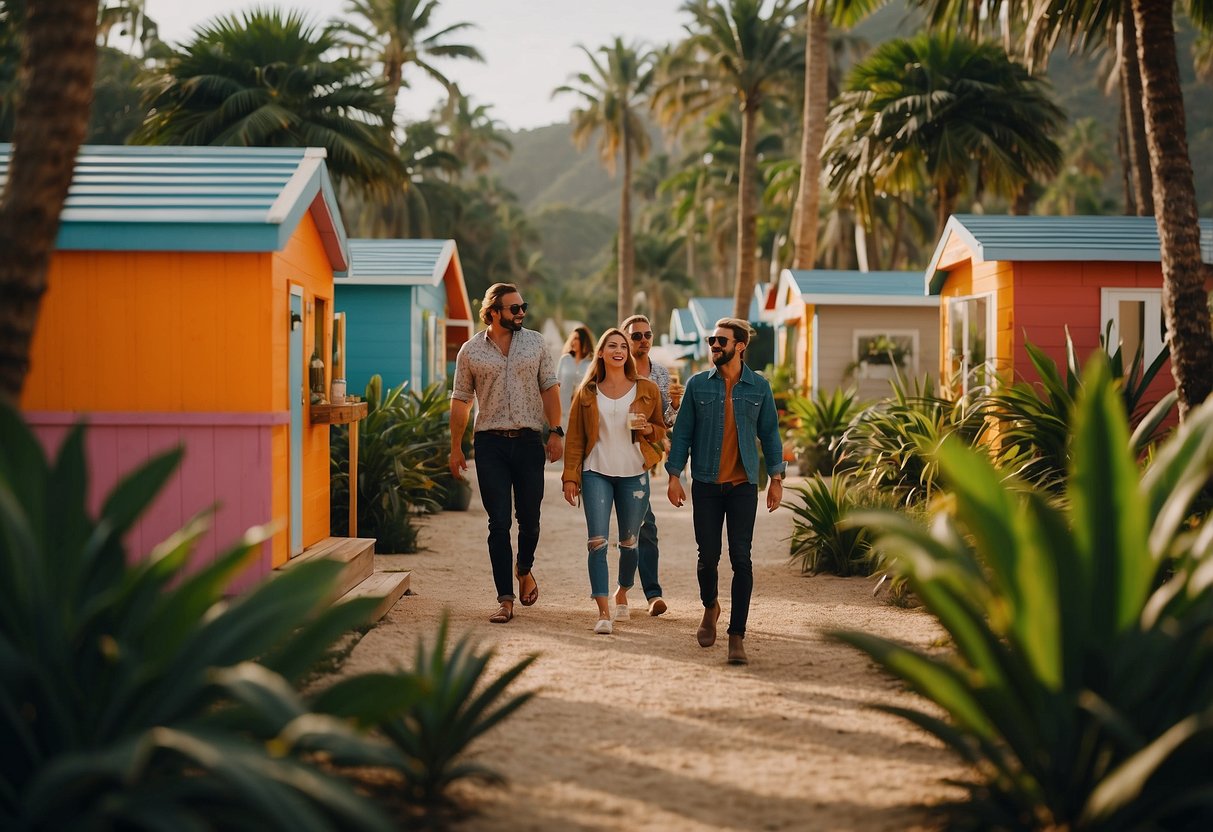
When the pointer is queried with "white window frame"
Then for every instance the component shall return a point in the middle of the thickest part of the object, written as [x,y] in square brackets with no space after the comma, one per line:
[912,334]
[967,371]
[1109,312]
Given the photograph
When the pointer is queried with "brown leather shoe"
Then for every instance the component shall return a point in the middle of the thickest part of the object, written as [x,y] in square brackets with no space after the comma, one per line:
[706,634]
[737,650]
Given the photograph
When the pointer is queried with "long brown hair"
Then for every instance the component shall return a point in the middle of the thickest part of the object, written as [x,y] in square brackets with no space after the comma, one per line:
[580,342]
[597,370]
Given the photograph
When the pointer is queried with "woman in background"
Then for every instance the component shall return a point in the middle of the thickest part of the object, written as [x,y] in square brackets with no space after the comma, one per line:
[615,433]
[574,361]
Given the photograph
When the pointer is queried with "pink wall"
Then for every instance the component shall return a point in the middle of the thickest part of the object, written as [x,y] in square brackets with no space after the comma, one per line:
[226,463]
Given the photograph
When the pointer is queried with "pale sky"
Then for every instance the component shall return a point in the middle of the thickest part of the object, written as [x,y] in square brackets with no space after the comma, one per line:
[529,45]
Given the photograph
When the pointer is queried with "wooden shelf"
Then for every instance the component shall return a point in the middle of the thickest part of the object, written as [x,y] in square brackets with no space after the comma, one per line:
[338,414]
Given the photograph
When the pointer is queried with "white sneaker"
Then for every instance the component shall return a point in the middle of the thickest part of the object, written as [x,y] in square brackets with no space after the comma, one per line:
[603,627]
[622,613]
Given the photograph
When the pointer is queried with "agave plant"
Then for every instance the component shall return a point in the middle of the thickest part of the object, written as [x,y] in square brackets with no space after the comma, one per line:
[402,445]
[133,695]
[1033,420]
[1082,683]
[817,424]
[890,443]
[434,733]
[820,543]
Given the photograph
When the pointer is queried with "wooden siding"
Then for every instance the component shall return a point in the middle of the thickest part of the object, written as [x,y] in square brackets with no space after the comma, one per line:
[836,343]
[225,466]
[378,333]
[992,278]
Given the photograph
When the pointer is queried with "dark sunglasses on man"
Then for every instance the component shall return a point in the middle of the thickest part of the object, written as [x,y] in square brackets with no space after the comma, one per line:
[713,340]
[514,308]
[642,336]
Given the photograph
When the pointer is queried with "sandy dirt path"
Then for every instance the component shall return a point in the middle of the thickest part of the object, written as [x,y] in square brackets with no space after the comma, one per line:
[644,729]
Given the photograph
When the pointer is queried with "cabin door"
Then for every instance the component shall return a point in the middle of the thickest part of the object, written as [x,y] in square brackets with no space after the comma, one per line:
[296,390]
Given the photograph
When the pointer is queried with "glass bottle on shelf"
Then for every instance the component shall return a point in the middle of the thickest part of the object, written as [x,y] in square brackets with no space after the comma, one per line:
[316,377]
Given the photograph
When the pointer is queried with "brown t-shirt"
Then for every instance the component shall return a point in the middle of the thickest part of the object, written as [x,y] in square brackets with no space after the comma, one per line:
[731,469]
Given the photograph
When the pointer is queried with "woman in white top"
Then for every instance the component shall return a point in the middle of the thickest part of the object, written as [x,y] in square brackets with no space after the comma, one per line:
[574,361]
[607,455]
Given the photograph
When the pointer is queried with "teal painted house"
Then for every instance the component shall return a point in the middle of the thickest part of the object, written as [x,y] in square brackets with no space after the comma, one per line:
[406,311]
[691,324]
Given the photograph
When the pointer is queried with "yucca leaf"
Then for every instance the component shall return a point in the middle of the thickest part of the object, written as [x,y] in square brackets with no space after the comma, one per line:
[294,656]
[371,698]
[1178,473]
[135,492]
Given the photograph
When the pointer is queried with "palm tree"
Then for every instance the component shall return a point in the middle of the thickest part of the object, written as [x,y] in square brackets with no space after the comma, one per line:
[816,107]
[947,112]
[735,57]
[661,283]
[472,135]
[611,98]
[264,80]
[1173,188]
[397,33]
[50,119]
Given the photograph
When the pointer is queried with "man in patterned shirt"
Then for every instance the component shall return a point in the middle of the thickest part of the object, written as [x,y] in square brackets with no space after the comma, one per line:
[640,335]
[511,374]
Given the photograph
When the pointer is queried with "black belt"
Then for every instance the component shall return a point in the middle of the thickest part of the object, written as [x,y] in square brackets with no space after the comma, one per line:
[512,433]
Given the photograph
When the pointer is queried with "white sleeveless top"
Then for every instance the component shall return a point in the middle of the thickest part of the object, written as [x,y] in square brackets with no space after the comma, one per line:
[615,454]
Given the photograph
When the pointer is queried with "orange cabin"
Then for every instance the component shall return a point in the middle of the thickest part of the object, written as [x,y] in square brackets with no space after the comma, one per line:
[190,289]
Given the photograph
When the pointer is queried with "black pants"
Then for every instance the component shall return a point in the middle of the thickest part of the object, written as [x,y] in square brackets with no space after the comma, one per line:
[510,470]
[713,506]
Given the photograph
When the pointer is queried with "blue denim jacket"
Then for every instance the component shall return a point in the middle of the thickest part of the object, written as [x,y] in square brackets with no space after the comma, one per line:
[699,428]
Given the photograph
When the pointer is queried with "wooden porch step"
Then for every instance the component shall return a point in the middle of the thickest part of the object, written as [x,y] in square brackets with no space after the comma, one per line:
[386,586]
[357,553]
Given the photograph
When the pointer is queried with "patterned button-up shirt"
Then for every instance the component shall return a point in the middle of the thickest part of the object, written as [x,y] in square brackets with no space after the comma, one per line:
[506,386]
[661,377]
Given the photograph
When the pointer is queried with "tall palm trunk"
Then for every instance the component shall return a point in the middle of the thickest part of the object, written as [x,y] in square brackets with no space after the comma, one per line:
[627,254]
[58,60]
[1183,295]
[747,210]
[816,103]
[1138,152]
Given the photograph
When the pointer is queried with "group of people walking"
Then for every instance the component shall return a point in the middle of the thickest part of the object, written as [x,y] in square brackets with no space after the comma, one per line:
[613,413]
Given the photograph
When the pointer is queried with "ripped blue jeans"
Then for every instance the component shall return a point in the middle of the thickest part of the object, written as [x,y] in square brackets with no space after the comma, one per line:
[630,498]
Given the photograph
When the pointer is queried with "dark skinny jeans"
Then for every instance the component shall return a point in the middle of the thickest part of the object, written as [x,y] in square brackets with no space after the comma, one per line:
[713,506]
[510,471]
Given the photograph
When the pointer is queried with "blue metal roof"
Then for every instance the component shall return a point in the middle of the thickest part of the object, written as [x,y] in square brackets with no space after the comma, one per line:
[1091,239]
[707,311]
[237,199]
[682,327]
[400,262]
[852,288]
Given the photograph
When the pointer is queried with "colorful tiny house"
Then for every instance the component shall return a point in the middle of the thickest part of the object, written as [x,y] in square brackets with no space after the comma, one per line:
[841,329]
[1004,281]
[692,324]
[407,311]
[190,295]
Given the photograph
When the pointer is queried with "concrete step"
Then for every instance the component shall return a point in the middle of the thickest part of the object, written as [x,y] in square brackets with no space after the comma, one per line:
[386,586]
[356,553]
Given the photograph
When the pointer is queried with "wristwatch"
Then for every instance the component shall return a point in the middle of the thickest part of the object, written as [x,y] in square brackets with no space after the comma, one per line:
[559,431]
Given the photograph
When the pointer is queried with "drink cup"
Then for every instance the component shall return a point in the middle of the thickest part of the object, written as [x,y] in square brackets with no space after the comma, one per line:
[636,420]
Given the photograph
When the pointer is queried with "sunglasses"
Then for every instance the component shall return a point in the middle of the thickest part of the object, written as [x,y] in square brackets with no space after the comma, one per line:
[642,336]
[514,308]
[713,340]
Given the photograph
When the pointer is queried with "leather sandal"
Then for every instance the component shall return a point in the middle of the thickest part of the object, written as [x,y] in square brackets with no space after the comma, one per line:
[503,615]
[528,598]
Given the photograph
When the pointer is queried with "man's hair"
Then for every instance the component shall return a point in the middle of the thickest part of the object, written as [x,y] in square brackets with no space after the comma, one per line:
[492,297]
[741,329]
[634,319]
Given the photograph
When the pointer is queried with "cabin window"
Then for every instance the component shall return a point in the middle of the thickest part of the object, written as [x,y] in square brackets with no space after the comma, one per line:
[1135,320]
[875,352]
[968,339]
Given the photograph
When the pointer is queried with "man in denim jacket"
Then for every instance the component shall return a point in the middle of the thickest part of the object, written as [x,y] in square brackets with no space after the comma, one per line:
[726,413]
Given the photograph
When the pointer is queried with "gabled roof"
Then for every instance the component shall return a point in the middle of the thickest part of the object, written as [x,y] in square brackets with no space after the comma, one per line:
[682,327]
[707,311]
[236,199]
[411,263]
[988,237]
[825,287]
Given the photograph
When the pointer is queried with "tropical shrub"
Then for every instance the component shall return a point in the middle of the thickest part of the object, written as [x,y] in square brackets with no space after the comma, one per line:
[1082,683]
[890,444]
[814,426]
[435,731]
[133,695]
[1033,420]
[402,449]
[820,542]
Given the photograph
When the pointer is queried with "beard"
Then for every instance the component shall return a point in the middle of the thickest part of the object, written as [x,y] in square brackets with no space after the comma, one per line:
[511,324]
[723,357]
